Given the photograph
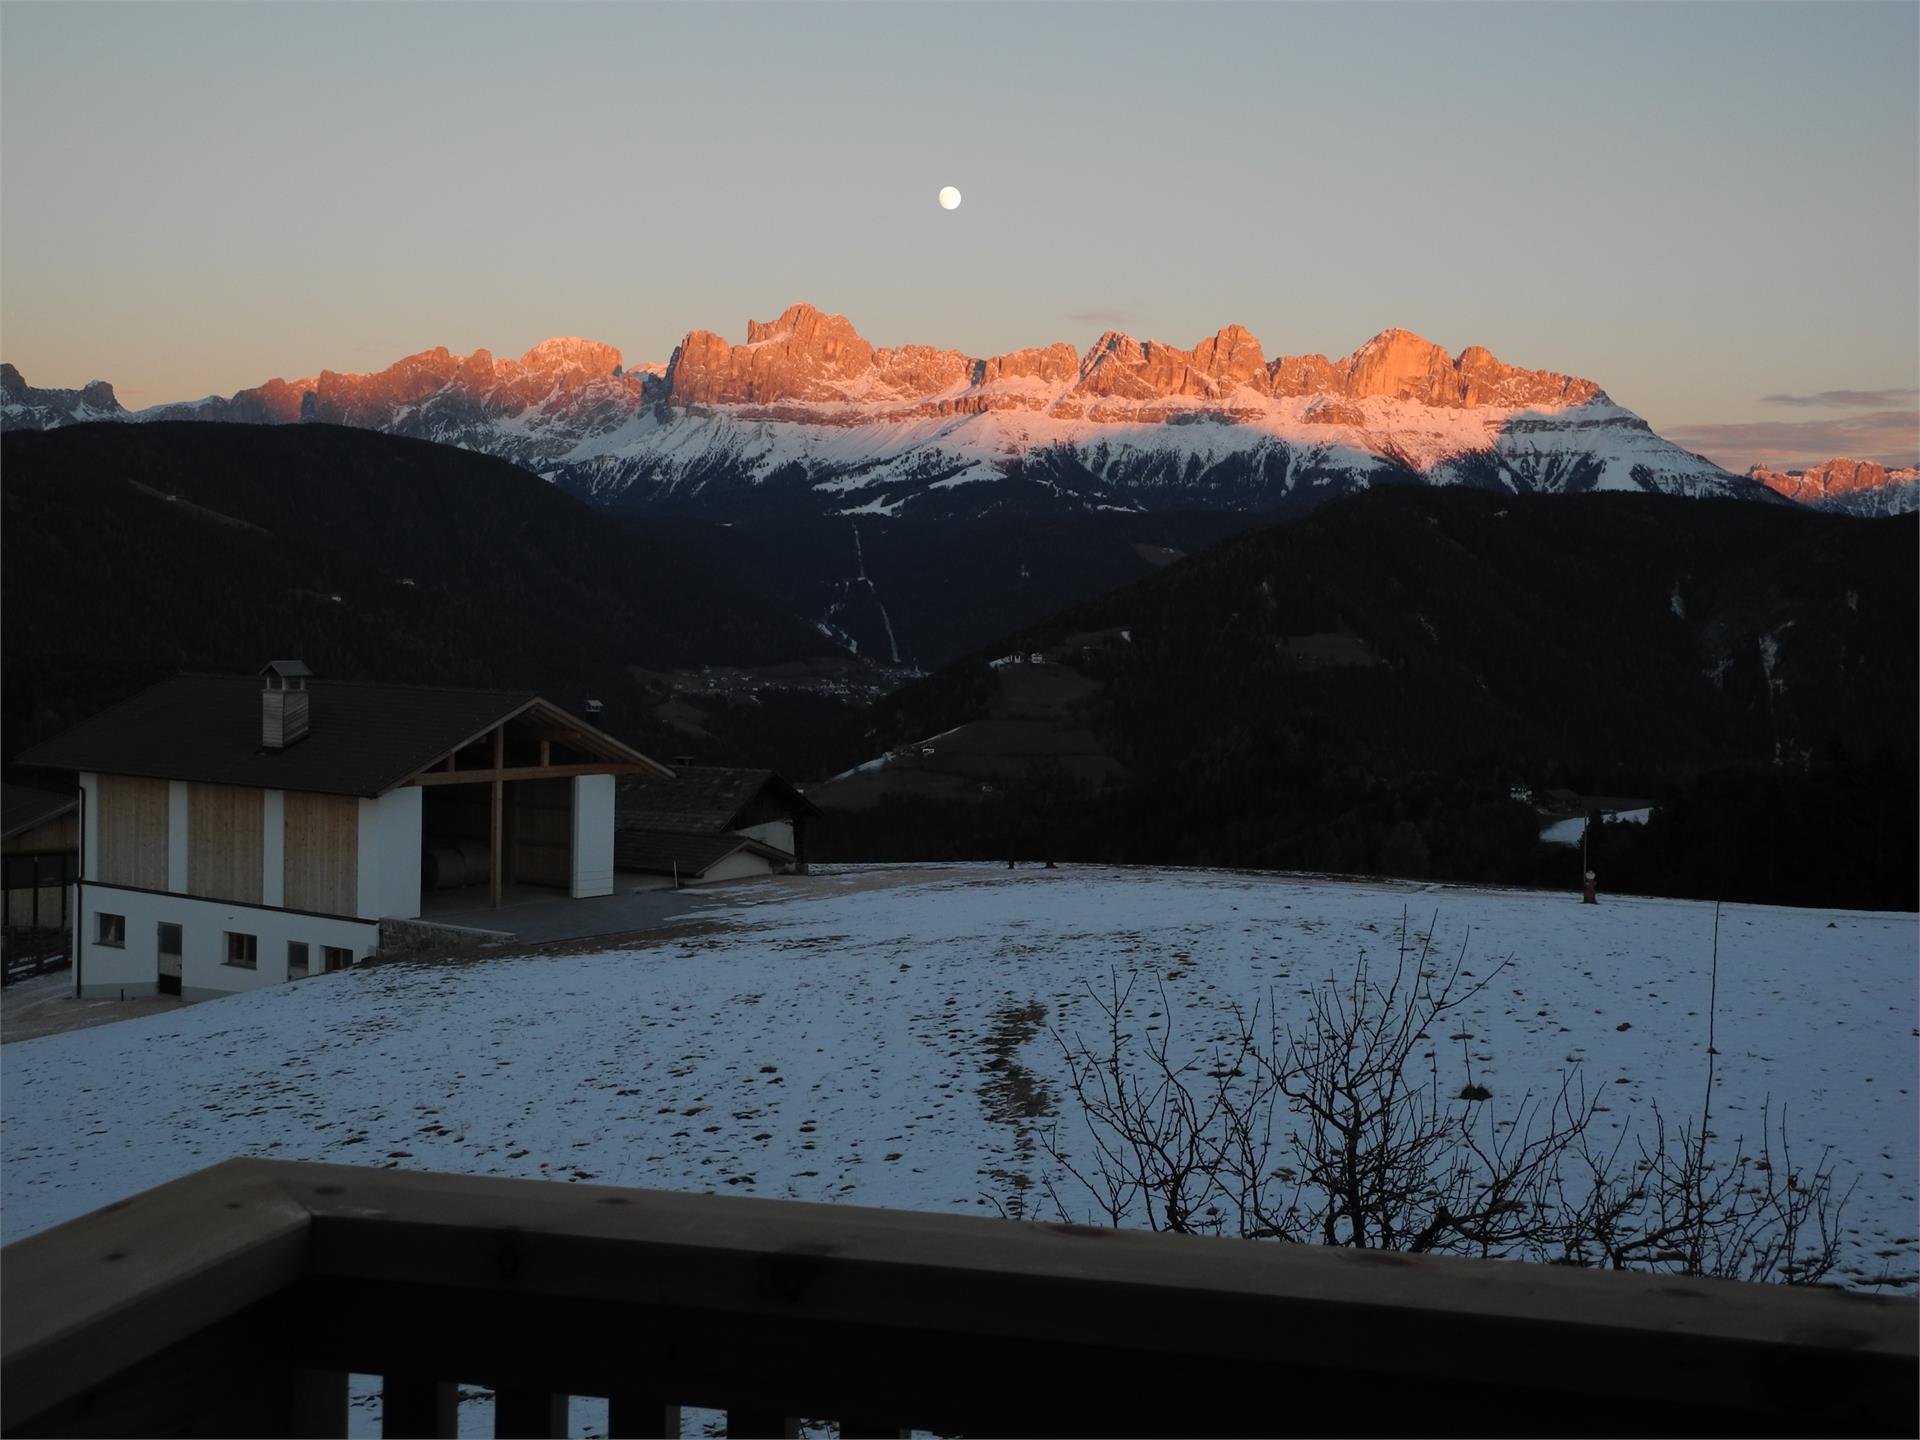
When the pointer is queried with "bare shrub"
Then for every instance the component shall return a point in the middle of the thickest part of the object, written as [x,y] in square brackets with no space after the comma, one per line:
[1337,1129]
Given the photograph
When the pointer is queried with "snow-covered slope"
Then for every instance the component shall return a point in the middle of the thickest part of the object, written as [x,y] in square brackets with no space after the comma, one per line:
[1130,424]
[851,1040]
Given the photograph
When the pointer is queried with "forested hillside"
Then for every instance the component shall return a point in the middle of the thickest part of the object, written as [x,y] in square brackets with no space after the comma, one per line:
[1360,690]
[132,552]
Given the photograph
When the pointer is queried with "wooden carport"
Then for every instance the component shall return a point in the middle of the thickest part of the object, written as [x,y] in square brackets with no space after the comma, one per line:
[539,741]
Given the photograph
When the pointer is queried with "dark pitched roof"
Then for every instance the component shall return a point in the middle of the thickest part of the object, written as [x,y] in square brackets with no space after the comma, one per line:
[365,739]
[700,799]
[660,852]
[22,807]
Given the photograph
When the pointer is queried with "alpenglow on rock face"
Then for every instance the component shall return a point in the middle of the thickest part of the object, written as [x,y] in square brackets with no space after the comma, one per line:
[1855,487]
[1130,424]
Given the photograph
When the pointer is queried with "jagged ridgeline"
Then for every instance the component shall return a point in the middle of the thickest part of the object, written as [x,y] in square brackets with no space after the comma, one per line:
[131,552]
[1362,689]
[848,476]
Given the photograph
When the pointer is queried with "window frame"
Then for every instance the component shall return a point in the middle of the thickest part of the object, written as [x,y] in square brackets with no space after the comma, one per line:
[179,952]
[252,949]
[306,959]
[327,955]
[118,940]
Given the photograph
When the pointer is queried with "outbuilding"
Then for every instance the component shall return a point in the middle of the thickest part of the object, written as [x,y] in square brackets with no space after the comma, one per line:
[705,823]
[39,835]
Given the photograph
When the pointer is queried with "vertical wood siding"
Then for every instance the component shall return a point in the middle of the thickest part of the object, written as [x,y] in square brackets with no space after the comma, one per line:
[224,841]
[322,854]
[133,832]
[541,827]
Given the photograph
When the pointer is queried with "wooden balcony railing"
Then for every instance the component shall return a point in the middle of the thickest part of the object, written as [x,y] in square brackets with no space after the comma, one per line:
[238,1300]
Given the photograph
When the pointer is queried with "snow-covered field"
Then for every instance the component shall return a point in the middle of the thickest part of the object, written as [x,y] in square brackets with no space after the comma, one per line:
[836,1045]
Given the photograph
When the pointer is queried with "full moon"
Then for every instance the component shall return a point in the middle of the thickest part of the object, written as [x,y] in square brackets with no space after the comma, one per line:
[949,199]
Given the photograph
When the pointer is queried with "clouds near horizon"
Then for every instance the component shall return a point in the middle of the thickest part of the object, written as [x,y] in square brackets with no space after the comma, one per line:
[1842,399]
[1886,437]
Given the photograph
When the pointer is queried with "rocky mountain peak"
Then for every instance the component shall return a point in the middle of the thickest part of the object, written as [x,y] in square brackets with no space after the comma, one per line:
[796,357]
[1396,363]
[1233,355]
[28,408]
[568,353]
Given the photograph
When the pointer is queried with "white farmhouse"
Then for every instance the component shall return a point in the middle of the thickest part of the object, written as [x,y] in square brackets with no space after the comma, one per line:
[237,832]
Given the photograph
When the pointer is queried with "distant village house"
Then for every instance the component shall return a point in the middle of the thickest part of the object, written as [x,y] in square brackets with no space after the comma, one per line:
[710,823]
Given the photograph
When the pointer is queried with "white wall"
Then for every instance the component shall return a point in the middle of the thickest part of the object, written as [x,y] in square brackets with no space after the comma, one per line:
[390,855]
[737,866]
[592,835]
[777,833]
[107,971]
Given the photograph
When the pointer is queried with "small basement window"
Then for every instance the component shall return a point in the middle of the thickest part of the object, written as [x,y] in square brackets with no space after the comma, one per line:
[243,950]
[169,939]
[110,929]
[296,959]
[335,957]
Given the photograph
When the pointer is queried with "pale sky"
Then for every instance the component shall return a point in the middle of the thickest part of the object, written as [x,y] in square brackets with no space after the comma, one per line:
[1697,206]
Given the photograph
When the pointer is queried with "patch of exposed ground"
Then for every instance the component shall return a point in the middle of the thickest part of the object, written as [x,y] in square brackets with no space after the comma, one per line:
[1014,1095]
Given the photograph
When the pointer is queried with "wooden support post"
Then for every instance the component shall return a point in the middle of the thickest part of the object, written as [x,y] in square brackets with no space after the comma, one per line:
[546,753]
[413,1405]
[499,808]
[641,1415]
[529,1415]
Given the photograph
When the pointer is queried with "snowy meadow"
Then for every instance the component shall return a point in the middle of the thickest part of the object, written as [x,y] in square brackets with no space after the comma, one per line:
[899,1044]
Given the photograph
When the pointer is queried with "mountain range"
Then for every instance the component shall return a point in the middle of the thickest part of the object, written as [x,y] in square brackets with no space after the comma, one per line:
[884,426]
[1852,487]
[840,479]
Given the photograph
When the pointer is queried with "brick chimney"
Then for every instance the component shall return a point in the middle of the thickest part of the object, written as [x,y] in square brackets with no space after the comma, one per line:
[283,703]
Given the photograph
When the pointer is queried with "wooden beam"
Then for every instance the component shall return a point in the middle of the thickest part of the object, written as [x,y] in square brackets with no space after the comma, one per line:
[499,806]
[85,1301]
[546,753]
[525,772]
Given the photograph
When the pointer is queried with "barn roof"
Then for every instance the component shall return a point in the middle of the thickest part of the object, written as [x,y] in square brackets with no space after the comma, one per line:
[22,807]
[663,852]
[700,799]
[363,739]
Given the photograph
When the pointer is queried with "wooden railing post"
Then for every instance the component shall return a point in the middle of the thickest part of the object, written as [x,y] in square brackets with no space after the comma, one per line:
[642,1415]
[319,1404]
[745,1421]
[529,1415]
[412,1405]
